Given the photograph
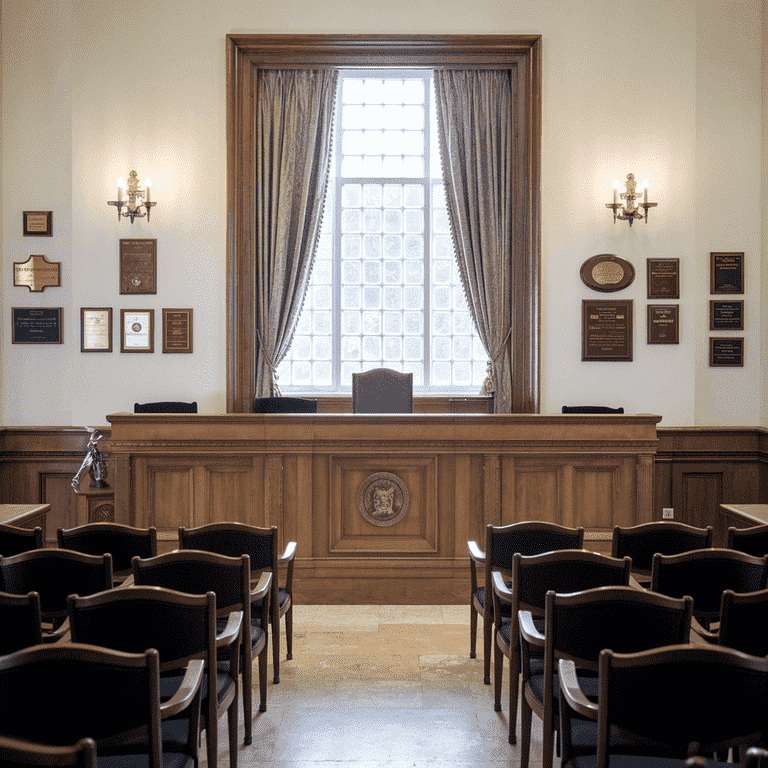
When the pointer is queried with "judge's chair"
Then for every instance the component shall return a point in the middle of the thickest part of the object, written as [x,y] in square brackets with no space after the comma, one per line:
[382,390]
[165,407]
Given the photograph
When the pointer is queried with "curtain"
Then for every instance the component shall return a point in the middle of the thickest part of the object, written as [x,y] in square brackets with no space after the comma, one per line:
[476,134]
[294,132]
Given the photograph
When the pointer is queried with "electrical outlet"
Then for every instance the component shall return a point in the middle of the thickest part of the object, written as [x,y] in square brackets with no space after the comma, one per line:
[668,513]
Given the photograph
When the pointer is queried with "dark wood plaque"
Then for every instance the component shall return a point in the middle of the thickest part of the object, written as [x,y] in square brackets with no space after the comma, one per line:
[37,325]
[663,278]
[606,273]
[177,330]
[38,223]
[726,353]
[663,324]
[606,330]
[726,315]
[138,266]
[726,272]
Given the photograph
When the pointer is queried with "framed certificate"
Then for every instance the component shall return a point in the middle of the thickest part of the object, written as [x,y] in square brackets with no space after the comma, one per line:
[137,330]
[38,223]
[177,330]
[95,329]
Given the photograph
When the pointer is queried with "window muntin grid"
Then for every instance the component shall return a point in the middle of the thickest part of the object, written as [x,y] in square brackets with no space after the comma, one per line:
[385,288]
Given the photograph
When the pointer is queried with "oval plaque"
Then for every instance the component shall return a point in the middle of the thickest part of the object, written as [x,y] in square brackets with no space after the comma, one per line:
[606,272]
[383,499]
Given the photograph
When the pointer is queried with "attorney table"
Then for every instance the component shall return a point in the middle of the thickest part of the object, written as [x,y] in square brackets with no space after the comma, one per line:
[24,515]
[382,505]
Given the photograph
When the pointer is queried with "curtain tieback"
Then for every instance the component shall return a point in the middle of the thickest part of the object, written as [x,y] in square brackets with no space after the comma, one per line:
[489,387]
[270,364]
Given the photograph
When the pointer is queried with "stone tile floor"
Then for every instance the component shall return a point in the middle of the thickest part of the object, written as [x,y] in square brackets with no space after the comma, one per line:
[379,687]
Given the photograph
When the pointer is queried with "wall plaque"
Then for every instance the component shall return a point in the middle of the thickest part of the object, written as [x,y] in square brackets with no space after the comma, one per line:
[95,329]
[177,330]
[37,273]
[726,315]
[726,353]
[137,330]
[606,330]
[606,272]
[138,265]
[663,324]
[383,498]
[663,278]
[38,223]
[726,272]
[37,325]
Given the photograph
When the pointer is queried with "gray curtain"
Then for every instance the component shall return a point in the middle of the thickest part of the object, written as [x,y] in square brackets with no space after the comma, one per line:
[476,134]
[295,119]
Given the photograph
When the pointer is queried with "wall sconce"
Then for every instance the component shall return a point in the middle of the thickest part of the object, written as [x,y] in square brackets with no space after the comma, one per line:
[138,197]
[629,210]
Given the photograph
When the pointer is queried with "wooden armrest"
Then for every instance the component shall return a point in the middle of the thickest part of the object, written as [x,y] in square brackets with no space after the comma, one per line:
[59,635]
[475,552]
[231,631]
[180,700]
[528,629]
[500,588]
[262,588]
[704,634]
[570,688]
[290,552]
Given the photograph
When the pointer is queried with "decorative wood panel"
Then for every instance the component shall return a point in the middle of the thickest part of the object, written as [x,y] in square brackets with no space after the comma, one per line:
[56,490]
[538,493]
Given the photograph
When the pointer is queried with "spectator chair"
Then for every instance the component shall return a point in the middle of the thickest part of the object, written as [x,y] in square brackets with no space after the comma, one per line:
[15,753]
[743,618]
[20,621]
[670,703]
[753,541]
[54,694]
[165,407]
[382,390]
[14,540]
[260,544]
[501,542]
[229,577]
[123,542]
[566,570]
[54,574]
[578,626]
[642,542]
[181,627]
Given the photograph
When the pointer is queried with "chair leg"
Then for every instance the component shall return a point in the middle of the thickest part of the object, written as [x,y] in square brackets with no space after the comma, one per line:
[276,645]
[263,661]
[513,694]
[472,630]
[498,670]
[289,631]
[232,727]
[247,694]
[526,715]
[487,636]
[212,734]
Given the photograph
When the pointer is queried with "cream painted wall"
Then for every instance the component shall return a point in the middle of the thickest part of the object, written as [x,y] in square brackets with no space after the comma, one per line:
[670,92]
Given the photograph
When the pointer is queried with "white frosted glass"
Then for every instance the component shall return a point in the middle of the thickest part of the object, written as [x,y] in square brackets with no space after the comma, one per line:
[371,272]
[350,322]
[371,297]
[393,118]
[413,297]
[414,272]
[393,143]
[393,195]
[441,271]
[459,300]
[412,348]
[372,196]
[478,350]
[413,117]
[304,326]
[351,195]
[352,92]
[393,297]
[373,90]
[372,247]
[321,272]
[441,348]
[462,348]
[353,142]
[462,323]
[393,220]
[462,374]
[413,91]
[413,323]
[322,297]
[352,166]
[350,347]
[322,373]
[374,116]
[414,195]
[371,348]
[414,247]
[371,166]
[302,372]
[441,323]
[347,369]
[393,166]
[350,247]
[352,116]
[350,272]
[438,196]
[440,223]
[393,348]
[321,323]
[393,92]
[302,347]
[478,373]
[441,297]
[324,250]
[372,220]
[321,348]
[350,220]
[416,368]
[414,221]
[284,371]
[393,272]
[441,374]
[443,247]
[412,143]
[413,167]
[371,323]
[350,297]
[393,323]
[393,247]
[373,143]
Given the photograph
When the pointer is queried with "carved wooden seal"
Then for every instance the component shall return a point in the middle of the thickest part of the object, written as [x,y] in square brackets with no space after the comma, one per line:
[383,499]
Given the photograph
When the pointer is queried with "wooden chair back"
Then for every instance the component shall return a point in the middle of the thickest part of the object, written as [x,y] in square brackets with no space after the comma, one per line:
[21,621]
[743,618]
[382,390]
[753,541]
[15,753]
[15,540]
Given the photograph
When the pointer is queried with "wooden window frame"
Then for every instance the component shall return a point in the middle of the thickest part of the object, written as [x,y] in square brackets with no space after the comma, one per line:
[246,53]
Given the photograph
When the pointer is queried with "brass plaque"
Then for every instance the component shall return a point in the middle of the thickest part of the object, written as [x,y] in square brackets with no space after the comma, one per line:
[606,273]
[663,278]
[138,266]
[606,330]
[383,499]
[726,353]
[37,273]
[726,315]
[726,272]
[663,324]
[177,330]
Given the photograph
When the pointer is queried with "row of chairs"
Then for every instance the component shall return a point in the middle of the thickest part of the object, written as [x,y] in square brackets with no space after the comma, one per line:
[150,618]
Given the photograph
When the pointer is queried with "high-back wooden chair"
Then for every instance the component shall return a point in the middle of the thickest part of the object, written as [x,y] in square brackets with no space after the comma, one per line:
[753,541]
[743,618]
[260,544]
[14,540]
[15,753]
[20,621]
[382,390]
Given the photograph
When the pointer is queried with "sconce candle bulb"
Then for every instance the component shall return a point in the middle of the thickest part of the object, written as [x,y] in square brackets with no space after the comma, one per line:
[138,198]
[629,210]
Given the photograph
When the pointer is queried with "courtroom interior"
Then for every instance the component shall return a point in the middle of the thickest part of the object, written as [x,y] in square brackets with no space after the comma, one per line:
[564,304]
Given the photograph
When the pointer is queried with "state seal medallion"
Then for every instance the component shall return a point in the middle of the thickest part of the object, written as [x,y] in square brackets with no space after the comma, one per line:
[383,499]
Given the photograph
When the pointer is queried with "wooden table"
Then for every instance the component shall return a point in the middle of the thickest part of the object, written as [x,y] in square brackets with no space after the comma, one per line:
[24,515]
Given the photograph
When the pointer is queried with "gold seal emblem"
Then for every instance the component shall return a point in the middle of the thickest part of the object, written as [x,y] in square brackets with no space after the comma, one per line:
[383,499]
